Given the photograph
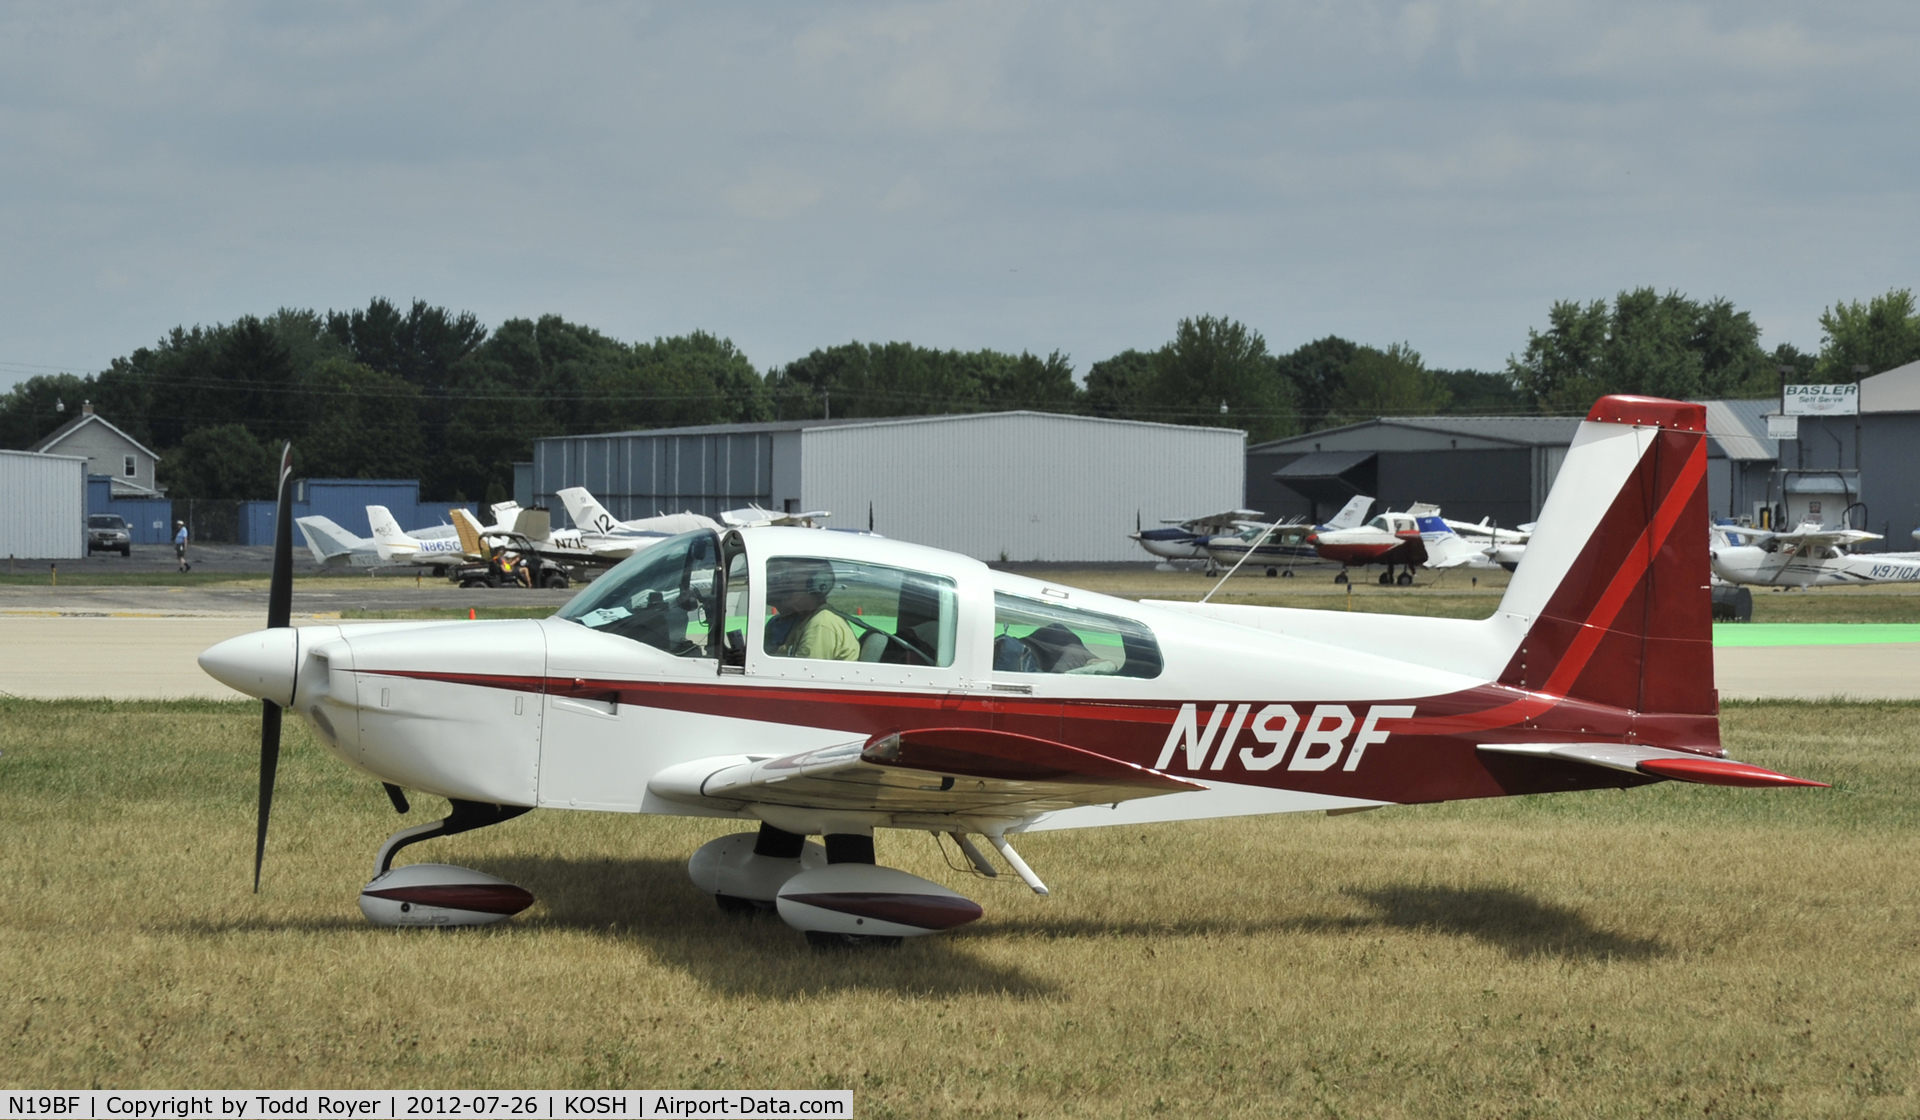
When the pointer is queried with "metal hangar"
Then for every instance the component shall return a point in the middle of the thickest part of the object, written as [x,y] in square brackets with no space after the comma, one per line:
[1016,486]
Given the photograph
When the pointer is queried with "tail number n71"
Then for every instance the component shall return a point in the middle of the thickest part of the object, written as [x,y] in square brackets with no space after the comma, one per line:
[1323,738]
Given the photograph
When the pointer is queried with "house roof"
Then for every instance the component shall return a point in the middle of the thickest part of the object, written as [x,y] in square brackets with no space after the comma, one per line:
[81,421]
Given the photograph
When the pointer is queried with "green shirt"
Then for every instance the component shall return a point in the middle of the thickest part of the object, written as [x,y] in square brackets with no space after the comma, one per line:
[824,636]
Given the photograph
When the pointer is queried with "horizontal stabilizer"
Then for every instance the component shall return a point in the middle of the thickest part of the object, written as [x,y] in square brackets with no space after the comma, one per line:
[1720,772]
[1656,762]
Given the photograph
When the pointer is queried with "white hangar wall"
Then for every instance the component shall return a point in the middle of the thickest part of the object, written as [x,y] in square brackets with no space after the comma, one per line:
[1032,485]
[1026,486]
[43,506]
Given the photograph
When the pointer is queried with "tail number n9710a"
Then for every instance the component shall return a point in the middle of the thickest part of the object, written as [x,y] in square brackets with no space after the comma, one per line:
[1324,737]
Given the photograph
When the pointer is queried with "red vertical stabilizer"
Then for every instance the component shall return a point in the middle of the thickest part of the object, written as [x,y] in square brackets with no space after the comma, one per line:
[1629,623]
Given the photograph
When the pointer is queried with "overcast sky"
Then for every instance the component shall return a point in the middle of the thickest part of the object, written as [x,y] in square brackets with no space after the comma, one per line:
[1072,176]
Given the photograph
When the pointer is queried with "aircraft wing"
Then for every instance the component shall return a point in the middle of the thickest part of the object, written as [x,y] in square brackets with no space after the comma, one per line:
[755,517]
[1825,538]
[934,772]
[1219,522]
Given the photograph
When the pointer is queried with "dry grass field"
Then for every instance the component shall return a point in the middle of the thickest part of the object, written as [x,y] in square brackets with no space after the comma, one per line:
[1667,951]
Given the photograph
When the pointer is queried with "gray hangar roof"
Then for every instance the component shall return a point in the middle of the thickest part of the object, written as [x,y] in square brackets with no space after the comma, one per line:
[1432,433]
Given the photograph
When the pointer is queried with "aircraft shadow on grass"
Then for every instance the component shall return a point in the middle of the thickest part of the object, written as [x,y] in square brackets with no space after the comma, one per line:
[1519,923]
[1522,925]
[651,902]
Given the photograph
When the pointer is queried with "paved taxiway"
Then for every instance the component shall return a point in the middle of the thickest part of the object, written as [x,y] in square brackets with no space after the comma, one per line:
[141,642]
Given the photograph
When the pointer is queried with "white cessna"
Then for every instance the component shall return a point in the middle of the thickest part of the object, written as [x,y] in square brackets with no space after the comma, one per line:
[1809,556]
[843,686]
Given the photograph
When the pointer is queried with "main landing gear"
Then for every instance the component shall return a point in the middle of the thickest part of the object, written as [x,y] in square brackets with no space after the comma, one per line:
[440,894]
[834,892]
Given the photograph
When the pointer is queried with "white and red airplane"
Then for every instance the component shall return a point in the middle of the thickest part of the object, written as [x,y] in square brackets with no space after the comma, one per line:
[941,697]
[1391,539]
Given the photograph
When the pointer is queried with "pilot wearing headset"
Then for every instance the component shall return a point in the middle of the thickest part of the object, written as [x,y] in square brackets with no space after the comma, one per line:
[797,590]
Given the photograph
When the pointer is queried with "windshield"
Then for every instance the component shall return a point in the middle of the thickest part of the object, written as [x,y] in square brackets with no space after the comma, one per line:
[662,596]
[104,521]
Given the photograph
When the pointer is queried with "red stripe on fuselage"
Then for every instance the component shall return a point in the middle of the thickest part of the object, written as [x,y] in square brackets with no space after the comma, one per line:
[1428,758]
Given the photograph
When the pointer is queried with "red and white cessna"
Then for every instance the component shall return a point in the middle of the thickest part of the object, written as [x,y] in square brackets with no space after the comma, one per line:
[942,697]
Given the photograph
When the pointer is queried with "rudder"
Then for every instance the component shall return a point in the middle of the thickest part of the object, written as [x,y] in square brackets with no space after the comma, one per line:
[1615,578]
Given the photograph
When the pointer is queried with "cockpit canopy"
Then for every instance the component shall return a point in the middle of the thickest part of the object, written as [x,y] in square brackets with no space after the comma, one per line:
[690,596]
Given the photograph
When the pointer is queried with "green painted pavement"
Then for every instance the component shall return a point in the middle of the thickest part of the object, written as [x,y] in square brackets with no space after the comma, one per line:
[1812,633]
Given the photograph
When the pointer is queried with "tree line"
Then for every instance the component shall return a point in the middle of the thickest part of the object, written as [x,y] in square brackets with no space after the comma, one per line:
[427,393]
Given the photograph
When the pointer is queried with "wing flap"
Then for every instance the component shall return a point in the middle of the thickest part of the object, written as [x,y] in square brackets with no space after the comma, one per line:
[937,772]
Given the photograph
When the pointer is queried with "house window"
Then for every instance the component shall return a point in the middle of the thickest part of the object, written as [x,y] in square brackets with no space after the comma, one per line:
[130,471]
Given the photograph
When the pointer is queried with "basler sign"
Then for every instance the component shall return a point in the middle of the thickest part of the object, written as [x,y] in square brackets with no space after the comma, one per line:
[1820,400]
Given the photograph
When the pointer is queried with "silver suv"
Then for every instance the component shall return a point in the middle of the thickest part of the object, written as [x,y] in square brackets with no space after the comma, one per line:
[107,532]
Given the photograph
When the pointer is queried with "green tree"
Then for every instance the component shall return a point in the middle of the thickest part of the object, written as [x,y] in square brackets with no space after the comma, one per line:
[36,407]
[1658,345]
[1031,382]
[364,423]
[689,379]
[1476,393]
[1390,382]
[1315,371]
[219,462]
[1121,387]
[1880,334]
[1217,372]
[887,379]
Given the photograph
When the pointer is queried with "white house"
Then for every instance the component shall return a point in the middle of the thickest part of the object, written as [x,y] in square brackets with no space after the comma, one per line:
[108,451]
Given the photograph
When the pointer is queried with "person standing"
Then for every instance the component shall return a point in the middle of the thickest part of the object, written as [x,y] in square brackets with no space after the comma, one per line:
[180,545]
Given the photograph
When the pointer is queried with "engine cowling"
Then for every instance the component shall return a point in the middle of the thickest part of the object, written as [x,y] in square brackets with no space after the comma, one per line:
[440,894]
[861,900]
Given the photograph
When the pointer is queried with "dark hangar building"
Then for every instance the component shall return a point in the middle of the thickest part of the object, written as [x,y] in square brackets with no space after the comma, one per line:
[1497,467]
[1470,466]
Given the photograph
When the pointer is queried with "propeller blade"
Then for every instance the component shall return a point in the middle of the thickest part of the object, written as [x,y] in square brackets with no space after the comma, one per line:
[280,591]
[279,613]
[269,766]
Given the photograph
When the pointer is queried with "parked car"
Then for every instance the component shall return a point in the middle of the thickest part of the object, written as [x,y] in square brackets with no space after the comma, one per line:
[107,532]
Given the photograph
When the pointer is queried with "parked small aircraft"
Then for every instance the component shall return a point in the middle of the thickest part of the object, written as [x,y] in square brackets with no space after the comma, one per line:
[1809,556]
[1187,540]
[602,533]
[1276,547]
[1391,538]
[336,547]
[1451,544]
[836,685]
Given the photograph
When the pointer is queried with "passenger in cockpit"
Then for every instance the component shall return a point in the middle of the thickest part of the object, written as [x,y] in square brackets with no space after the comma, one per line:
[797,589]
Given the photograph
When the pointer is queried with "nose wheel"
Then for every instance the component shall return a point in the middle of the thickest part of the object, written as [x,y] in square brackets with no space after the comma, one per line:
[439,894]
